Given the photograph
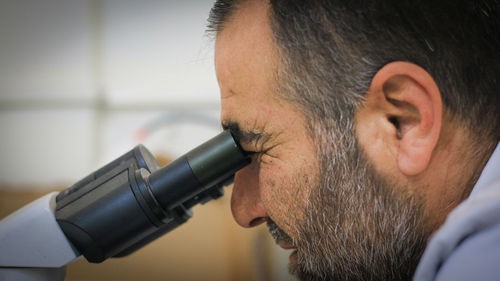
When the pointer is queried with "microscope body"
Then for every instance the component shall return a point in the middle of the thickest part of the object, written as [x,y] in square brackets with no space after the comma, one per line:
[115,210]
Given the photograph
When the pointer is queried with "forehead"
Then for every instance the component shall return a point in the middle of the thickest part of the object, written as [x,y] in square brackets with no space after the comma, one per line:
[244,47]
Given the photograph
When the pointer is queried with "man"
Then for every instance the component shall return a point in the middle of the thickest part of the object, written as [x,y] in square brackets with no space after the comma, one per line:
[370,122]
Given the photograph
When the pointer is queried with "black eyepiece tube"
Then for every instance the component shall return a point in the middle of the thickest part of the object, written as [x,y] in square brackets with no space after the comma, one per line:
[131,201]
[196,177]
[201,168]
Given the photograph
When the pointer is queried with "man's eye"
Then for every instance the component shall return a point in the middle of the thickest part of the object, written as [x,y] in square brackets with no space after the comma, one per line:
[256,155]
[251,152]
[262,157]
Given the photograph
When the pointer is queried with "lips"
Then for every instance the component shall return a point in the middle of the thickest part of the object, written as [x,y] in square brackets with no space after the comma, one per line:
[285,245]
[282,239]
[293,257]
[288,246]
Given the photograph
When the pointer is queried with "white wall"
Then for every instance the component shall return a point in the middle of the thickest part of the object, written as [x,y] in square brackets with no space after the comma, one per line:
[154,51]
[46,51]
[80,79]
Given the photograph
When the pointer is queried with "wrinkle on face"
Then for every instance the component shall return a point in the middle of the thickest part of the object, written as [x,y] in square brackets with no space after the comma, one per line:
[283,170]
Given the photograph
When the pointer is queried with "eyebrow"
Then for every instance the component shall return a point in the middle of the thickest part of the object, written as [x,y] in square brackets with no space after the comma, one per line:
[244,136]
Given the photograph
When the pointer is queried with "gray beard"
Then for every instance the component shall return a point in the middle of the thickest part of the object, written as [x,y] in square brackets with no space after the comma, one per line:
[358,225]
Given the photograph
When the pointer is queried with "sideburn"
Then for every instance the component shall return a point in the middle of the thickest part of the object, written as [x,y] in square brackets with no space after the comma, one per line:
[358,226]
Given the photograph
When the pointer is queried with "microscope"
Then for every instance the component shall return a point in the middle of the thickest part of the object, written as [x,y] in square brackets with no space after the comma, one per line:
[115,210]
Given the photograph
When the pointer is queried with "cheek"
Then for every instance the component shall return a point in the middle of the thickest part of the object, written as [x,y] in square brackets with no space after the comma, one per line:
[284,193]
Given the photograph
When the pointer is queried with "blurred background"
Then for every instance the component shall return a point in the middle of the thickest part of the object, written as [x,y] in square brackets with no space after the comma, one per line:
[82,82]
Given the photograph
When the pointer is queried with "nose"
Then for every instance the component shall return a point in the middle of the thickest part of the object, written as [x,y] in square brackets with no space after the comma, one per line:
[246,204]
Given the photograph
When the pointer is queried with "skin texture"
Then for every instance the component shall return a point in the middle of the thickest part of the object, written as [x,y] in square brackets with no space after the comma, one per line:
[245,62]
[406,171]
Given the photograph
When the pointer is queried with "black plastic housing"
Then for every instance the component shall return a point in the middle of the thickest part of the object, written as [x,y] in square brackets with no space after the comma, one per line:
[131,201]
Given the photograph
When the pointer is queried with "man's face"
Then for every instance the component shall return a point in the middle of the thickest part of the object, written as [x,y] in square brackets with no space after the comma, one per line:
[276,184]
[321,198]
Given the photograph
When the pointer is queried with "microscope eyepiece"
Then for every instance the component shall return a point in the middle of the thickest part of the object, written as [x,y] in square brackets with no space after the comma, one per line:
[131,201]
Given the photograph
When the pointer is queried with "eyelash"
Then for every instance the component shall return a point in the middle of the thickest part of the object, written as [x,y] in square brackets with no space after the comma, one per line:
[259,153]
[255,155]
[259,157]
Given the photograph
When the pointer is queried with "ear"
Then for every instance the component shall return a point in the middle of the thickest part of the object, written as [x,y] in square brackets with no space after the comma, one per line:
[404,111]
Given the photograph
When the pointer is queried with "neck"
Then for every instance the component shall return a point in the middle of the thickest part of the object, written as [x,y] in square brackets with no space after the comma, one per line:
[457,164]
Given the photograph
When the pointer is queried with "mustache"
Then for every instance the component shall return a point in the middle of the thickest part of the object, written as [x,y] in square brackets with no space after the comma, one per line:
[277,233]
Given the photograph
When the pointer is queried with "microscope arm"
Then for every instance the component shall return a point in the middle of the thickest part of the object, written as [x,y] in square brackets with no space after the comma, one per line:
[32,245]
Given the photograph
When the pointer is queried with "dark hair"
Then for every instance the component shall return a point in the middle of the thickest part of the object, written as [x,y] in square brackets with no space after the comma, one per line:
[220,13]
[330,51]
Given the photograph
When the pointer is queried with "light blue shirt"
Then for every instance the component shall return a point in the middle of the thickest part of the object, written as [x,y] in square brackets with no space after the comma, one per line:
[467,245]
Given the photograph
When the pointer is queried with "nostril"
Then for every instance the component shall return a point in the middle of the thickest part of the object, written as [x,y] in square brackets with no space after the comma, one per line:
[256,221]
